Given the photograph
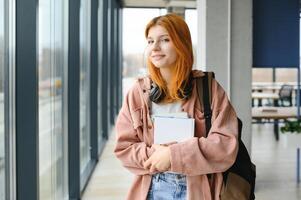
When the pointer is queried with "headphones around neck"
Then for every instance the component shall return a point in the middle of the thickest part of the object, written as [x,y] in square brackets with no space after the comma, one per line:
[156,94]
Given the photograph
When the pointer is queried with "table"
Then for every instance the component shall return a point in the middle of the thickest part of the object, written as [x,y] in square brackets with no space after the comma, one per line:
[275,113]
[265,95]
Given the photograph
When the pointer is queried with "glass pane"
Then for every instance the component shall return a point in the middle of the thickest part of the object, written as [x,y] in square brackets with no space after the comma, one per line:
[60,161]
[2,137]
[45,106]
[85,36]
[133,26]
[52,61]
[191,17]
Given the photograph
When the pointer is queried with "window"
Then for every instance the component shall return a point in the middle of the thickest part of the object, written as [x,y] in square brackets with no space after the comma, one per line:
[85,37]
[52,56]
[2,113]
[191,20]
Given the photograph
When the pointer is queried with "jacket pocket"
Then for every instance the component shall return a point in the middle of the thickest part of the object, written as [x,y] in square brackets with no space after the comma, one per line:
[137,118]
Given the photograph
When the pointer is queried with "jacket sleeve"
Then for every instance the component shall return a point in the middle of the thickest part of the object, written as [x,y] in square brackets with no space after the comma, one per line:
[129,149]
[218,151]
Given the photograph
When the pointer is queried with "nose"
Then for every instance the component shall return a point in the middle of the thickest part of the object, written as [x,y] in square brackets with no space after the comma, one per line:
[156,45]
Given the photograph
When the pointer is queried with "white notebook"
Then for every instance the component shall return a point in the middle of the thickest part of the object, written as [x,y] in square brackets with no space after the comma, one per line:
[172,129]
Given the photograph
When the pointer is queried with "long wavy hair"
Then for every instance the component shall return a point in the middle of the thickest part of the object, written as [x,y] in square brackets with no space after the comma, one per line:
[180,36]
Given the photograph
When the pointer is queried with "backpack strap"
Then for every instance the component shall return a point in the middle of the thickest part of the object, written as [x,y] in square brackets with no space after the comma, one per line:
[204,88]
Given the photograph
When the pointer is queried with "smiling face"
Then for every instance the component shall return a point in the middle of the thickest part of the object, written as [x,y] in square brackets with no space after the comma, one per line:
[160,49]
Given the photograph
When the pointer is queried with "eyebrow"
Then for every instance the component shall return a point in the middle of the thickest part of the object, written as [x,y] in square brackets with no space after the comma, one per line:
[159,36]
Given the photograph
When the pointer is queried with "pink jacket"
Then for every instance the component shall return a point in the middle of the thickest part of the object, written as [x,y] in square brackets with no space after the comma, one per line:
[195,157]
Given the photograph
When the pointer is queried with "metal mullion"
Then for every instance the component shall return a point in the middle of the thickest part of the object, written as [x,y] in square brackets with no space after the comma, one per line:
[99,75]
[120,65]
[27,155]
[114,74]
[100,35]
[116,31]
[94,81]
[117,55]
[105,66]
[112,63]
[117,60]
[108,65]
[73,101]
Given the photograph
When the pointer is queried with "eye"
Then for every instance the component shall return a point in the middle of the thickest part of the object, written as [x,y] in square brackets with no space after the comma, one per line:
[150,41]
[165,40]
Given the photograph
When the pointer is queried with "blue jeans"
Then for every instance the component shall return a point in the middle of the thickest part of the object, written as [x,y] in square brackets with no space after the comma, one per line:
[167,186]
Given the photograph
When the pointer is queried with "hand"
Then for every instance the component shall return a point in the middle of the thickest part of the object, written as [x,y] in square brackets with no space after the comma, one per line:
[159,160]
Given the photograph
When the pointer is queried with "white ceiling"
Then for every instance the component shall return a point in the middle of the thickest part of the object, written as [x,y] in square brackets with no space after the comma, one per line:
[159,3]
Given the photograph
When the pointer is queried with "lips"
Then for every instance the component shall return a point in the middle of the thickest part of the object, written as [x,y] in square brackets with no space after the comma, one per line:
[157,57]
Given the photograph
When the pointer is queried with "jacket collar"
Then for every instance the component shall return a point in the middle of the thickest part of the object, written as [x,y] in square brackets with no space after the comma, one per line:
[145,82]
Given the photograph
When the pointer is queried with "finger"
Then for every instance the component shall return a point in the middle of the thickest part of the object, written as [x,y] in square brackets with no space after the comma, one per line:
[152,168]
[147,163]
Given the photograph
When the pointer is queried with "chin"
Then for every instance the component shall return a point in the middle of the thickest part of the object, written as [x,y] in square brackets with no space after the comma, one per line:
[160,65]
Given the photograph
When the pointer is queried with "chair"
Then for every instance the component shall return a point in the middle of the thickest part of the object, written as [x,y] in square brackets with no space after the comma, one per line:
[285,95]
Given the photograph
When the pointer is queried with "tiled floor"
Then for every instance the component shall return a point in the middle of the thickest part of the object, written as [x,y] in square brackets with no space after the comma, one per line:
[275,161]
[110,181]
[276,164]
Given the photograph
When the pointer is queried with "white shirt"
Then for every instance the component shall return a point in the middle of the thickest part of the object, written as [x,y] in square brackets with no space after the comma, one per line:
[165,108]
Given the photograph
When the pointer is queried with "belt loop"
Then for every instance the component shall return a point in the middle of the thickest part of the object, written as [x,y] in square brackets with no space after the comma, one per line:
[157,177]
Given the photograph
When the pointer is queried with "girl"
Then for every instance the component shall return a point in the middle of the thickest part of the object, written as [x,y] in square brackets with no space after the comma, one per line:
[176,170]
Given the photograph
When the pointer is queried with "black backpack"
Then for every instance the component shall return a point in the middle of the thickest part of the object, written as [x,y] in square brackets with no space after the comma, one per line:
[239,179]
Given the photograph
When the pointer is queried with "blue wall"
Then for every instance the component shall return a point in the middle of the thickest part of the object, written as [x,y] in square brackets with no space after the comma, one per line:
[276,33]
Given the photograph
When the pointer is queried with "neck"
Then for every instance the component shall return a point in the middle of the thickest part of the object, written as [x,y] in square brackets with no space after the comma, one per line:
[166,74]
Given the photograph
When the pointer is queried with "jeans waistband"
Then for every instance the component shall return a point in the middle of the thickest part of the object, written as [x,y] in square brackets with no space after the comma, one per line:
[171,177]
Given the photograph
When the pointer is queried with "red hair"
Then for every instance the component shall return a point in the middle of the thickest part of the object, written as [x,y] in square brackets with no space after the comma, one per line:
[180,36]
